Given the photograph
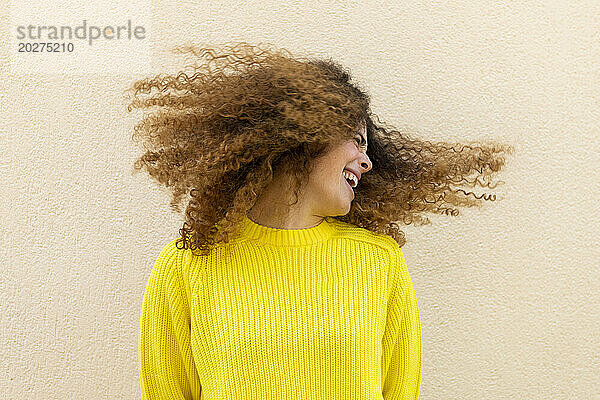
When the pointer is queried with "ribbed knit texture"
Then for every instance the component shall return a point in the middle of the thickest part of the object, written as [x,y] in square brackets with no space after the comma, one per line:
[327,312]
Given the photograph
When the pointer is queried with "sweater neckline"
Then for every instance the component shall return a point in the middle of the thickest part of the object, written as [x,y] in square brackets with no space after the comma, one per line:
[252,230]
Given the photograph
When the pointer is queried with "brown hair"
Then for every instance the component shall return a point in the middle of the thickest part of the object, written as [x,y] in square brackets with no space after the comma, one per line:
[219,132]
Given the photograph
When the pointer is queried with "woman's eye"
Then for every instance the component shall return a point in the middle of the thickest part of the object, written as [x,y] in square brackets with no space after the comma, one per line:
[357,141]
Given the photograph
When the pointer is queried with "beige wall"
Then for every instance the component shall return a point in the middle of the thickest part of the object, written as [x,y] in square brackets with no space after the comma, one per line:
[508,293]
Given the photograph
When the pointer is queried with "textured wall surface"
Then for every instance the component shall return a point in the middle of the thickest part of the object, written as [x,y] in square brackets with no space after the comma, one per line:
[508,293]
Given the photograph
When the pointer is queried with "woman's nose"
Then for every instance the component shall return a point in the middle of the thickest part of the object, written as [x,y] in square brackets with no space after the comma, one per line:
[366,164]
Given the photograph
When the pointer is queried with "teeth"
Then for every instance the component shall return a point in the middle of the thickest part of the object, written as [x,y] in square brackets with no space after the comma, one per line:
[352,177]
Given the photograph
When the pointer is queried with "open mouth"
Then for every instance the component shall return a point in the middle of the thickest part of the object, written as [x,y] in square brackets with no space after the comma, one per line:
[350,178]
[350,187]
[348,184]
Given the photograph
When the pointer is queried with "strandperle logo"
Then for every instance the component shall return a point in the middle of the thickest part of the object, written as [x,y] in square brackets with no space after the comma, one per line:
[81,32]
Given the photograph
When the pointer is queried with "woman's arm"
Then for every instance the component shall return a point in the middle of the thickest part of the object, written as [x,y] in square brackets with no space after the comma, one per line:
[166,366]
[402,342]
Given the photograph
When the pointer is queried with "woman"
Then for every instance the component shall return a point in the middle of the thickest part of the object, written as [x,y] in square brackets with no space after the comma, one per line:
[288,280]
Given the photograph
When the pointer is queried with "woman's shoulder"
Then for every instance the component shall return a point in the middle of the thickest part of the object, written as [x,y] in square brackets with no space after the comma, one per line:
[348,231]
[174,257]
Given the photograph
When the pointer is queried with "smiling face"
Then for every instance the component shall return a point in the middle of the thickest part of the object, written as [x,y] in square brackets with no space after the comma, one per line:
[328,189]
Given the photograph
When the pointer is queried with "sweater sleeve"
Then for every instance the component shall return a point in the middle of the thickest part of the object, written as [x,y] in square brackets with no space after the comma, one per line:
[166,366]
[402,342]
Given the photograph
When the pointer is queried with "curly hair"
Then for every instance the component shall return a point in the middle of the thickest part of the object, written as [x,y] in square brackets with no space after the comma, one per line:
[219,132]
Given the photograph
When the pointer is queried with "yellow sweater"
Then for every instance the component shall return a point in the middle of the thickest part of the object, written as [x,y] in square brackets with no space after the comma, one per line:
[327,312]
